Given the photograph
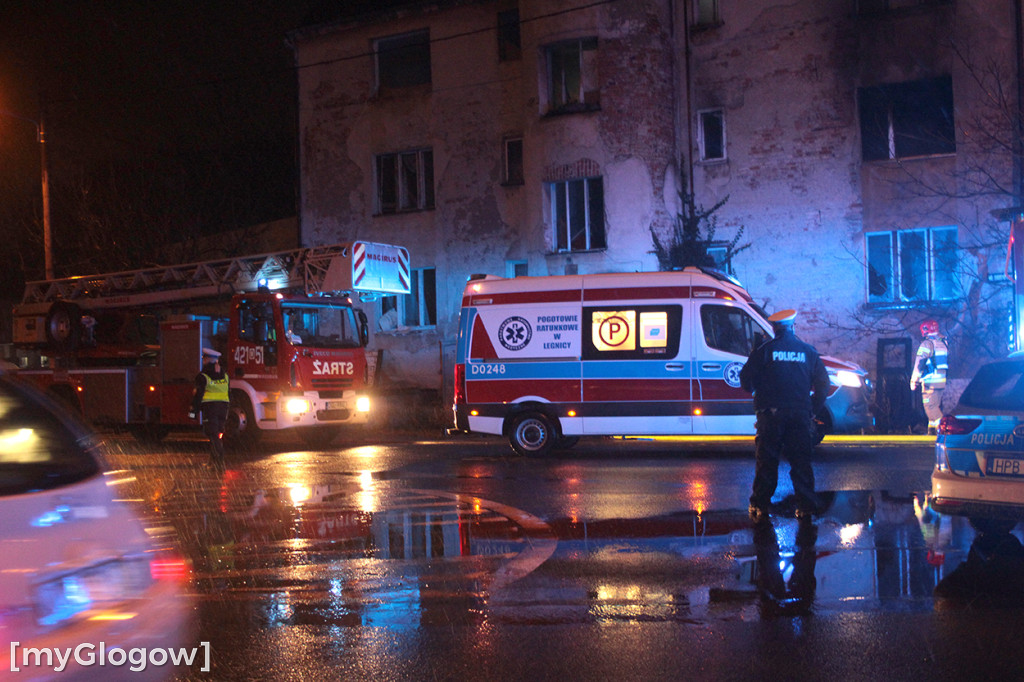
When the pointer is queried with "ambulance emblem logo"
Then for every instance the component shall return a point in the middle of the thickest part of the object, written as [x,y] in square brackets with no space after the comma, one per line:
[514,333]
[732,374]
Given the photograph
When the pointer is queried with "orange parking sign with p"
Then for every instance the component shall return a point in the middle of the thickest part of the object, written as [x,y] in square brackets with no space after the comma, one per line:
[614,329]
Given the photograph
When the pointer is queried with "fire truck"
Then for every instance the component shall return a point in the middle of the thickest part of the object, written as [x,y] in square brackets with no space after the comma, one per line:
[124,348]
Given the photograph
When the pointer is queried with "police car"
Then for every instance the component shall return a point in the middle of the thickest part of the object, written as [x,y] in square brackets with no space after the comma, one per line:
[979,450]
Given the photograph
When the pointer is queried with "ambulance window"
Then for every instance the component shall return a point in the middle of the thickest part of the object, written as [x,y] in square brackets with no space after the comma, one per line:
[631,332]
[729,329]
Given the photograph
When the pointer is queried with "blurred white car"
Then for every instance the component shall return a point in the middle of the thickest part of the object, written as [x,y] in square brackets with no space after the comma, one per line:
[82,584]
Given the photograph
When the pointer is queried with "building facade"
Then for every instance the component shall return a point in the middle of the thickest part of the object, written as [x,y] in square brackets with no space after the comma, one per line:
[859,147]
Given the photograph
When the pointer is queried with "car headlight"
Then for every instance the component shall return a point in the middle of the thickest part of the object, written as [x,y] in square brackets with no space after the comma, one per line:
[363,404]
[844,377]
[296,406]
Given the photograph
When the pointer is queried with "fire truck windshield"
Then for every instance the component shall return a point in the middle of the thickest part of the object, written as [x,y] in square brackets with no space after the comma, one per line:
[320,325]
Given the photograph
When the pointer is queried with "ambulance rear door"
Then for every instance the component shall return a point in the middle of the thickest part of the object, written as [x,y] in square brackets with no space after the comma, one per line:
[724,334]
[636,370]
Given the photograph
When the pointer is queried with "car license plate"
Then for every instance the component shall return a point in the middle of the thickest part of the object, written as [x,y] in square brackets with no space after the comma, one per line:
[335,404]
[1004,466]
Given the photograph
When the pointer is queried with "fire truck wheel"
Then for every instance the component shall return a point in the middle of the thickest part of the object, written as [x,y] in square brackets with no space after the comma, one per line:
[64,325]
[532,434]
[241,426]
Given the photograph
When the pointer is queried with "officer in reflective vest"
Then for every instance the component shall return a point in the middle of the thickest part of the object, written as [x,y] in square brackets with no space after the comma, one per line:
[790,383]
[930,366]
[210,399]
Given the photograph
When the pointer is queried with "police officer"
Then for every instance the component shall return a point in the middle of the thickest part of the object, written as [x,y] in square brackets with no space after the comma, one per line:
[930,368]
[782,373]
[210,399]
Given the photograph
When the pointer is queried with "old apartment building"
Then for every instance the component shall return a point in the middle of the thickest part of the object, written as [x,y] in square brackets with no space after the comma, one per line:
[860,148]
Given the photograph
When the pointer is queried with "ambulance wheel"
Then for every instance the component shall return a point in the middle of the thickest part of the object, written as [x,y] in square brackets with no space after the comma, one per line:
[532,434]
[64,325]
[566,442]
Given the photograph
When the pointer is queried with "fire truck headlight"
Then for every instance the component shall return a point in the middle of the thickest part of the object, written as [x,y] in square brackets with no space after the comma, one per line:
[296,406]
[363,404]
[845,377]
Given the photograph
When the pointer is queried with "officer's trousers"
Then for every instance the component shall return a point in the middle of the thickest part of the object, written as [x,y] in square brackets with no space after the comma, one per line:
[786,433]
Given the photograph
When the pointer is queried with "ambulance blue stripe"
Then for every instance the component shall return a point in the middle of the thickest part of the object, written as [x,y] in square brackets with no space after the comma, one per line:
[538,369]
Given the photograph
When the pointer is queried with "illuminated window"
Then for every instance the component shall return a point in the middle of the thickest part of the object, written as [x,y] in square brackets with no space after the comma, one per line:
[912,265]
[635,332]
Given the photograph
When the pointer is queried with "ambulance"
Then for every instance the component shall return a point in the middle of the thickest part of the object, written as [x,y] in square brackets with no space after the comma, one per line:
[546,360]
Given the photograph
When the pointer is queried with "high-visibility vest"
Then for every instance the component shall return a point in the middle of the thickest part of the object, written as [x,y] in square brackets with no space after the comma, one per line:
[216,389]
[933,361]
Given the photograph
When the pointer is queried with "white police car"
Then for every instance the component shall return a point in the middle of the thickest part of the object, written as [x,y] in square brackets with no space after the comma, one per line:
[979,450]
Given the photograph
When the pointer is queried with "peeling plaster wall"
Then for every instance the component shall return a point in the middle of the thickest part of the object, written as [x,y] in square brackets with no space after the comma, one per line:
[786,76]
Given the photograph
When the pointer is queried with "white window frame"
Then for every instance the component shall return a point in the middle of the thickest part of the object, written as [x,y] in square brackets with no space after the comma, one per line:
[564,190]
[703,132]
[573,85]
[415,310]
[890,254]
[413,181]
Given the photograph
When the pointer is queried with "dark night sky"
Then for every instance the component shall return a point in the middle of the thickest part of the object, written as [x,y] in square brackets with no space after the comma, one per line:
[146,82]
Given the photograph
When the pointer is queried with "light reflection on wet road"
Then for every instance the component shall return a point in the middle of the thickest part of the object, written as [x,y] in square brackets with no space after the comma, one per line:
[383,553]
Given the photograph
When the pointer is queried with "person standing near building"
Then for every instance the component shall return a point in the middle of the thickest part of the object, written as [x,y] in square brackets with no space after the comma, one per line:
[210,399]
[929,373]
[790,384]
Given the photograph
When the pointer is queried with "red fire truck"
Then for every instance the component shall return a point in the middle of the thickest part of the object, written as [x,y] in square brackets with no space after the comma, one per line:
[124,347]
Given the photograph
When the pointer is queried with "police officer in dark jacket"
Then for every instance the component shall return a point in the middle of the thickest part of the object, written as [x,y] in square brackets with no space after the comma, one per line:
[782,373]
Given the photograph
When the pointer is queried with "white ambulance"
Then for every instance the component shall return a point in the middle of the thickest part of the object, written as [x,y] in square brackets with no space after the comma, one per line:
[545,360]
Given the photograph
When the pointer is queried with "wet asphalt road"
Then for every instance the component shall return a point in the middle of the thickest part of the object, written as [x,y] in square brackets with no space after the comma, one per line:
[422,558]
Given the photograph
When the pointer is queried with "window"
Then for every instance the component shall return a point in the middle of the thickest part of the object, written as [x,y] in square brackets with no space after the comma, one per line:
[719,252]
[634,332]
[418,308]
[577,213]
[912,265]
[405,181]
[711,135]
[729,329]
[509,44]
[901,120]
[513,153]
[572,76]
[516,268]
[706,12]
[403,60]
